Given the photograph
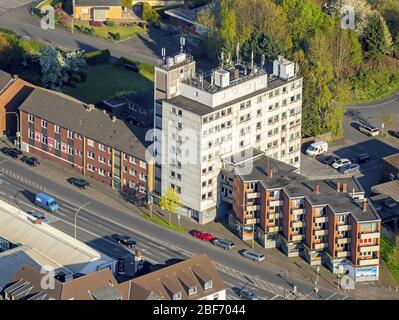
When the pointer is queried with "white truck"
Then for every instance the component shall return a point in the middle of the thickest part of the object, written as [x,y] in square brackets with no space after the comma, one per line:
[317,148]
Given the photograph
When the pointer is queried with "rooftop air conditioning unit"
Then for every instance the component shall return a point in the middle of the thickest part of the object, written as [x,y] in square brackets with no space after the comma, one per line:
[179,58]
[169,62]
[222,78]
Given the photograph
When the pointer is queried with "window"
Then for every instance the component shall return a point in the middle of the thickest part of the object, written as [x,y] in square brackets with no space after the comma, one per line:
[44,140]
[142,176]
[90,167]
[31,134]
[70,134]
[70,150]
[44,124]
[101,147]
[101,159]
[101,172]
[208,285]
[31,118]
[131,159]
[90,155]
[78,153]
[78,136]
[90,143]
[192,291]
[57,145]
[258,137]
[143,164]
[133,172]
[56,129]
[109,162]
[177,296]
[109,150]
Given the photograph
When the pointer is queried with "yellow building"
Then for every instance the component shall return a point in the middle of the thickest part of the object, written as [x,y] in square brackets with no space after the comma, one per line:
[97,10]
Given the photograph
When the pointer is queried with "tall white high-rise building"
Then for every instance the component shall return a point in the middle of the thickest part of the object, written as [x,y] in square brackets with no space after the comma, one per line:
[203,118]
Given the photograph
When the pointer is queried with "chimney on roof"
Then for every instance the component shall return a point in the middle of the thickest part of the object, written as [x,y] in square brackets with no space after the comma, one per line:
[113,118]
[90,107]
[365,205]
[338,187]
[316,188]
[270,173]
[344,187]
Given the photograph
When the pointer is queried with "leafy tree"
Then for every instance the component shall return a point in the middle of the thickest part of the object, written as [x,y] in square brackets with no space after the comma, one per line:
[148,14]
[227,26]
[376,39]
[261,43]
[127,3]
[390,12]
[10,54]
[170,202]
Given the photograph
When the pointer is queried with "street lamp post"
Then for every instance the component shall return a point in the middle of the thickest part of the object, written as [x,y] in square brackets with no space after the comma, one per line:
[316,287]
[76,214]
[18,132]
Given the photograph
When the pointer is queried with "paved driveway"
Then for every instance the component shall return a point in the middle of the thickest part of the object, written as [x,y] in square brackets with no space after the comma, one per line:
[12,4]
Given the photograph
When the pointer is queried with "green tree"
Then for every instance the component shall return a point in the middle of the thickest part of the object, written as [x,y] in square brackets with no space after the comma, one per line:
[228,27]
[170,202]
[376,39]
[127,3]
[390,12]
[261,43]
[147,13]
[10,54]
[393,256]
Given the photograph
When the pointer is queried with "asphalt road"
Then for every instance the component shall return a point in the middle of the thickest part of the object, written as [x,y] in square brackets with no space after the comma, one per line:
[98,222]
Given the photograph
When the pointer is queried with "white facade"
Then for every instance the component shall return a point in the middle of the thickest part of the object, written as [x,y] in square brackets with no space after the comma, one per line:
[253,110]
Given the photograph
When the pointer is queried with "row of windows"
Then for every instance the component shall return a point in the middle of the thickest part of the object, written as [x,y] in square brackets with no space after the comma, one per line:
[216,115]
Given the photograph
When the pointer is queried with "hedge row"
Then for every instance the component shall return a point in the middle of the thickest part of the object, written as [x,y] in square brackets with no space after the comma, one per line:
[140,66]
[97,57]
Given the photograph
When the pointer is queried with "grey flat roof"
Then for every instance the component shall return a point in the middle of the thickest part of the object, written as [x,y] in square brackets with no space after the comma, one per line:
[393,160]
[296,185]
[72,114]
[202,109]
[106,293]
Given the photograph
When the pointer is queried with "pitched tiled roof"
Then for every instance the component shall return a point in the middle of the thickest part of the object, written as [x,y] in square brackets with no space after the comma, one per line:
[5,80]
[72,114]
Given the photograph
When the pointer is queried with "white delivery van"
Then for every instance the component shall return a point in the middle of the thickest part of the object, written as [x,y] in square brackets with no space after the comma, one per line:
[317,148]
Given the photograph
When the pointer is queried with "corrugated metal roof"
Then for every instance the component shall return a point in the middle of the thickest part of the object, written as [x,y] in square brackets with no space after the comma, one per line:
[57,247]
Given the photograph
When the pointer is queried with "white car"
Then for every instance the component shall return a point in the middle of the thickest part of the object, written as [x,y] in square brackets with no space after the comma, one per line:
[340,162]
[369,129]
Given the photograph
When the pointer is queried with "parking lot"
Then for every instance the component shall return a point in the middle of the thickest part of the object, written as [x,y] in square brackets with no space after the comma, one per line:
[12,4]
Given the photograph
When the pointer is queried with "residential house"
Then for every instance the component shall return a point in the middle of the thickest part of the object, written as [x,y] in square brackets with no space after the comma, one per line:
[97,10]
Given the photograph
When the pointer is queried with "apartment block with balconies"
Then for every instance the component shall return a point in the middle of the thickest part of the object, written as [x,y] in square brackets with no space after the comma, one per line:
[326,222]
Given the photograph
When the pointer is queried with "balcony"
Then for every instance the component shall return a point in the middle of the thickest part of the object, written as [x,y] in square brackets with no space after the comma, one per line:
[369,248]
[343,240]
[298,224]
[253,195]
[344,227]
[297,237]
[298,211]
[370,235]
[320,232]
[273,229]
[250,220]
[343,254]
[320,219]
[319,246]
[275,215]
[275,203]
[252,207]
[368,262]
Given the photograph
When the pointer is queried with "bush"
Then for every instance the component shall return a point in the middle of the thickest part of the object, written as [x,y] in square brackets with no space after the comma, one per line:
[143,25]
[72,84]
[92,31]
[97,57]
[83,76]
[76,78]
[117,36]
[135,65]
[109,23]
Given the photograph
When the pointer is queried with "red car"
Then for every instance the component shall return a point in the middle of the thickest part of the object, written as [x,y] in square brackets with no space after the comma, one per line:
[203,235]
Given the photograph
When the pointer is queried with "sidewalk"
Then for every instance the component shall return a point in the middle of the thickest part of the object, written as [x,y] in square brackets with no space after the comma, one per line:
[277,261]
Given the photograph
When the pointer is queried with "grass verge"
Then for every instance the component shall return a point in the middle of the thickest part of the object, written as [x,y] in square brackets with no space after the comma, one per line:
[386,248]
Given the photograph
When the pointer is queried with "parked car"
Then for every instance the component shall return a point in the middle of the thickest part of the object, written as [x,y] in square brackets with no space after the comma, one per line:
[80,183]
[394,133]
[253,255]
[340,163]
[349,168]
[38,215]
[390,203]
[329,160]
[203,235]
[127,242]
[223,243]
[361,158]
[369,129]
[317,148]
[13,153]
[248,295]
[31,161]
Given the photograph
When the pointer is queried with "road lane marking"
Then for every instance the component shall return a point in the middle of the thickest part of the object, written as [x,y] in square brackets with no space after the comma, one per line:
[331,296]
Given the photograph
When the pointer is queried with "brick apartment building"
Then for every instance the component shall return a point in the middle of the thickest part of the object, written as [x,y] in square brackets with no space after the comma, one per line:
[100,146]
[325,221]
[13,91]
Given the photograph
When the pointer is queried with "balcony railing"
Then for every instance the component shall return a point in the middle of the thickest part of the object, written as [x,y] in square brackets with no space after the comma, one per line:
[298,211]
[253,195]
[298,237]
[343,240]
[273,229]
[275,203]
[320,219]
[369,248]
[343,254]
[368,262]
[370,235]
[252,207]
[298,224]
[344,227]
[319,246]
[275,215]
[250,220]
[321,232]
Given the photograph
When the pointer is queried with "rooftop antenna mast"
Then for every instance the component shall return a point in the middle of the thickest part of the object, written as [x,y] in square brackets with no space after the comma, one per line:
[164,55]
[182,44]
[238,53]
[252,61]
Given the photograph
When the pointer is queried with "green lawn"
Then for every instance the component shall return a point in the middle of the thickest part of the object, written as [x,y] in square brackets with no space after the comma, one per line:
[386,248]
[107,31]
[106,80]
